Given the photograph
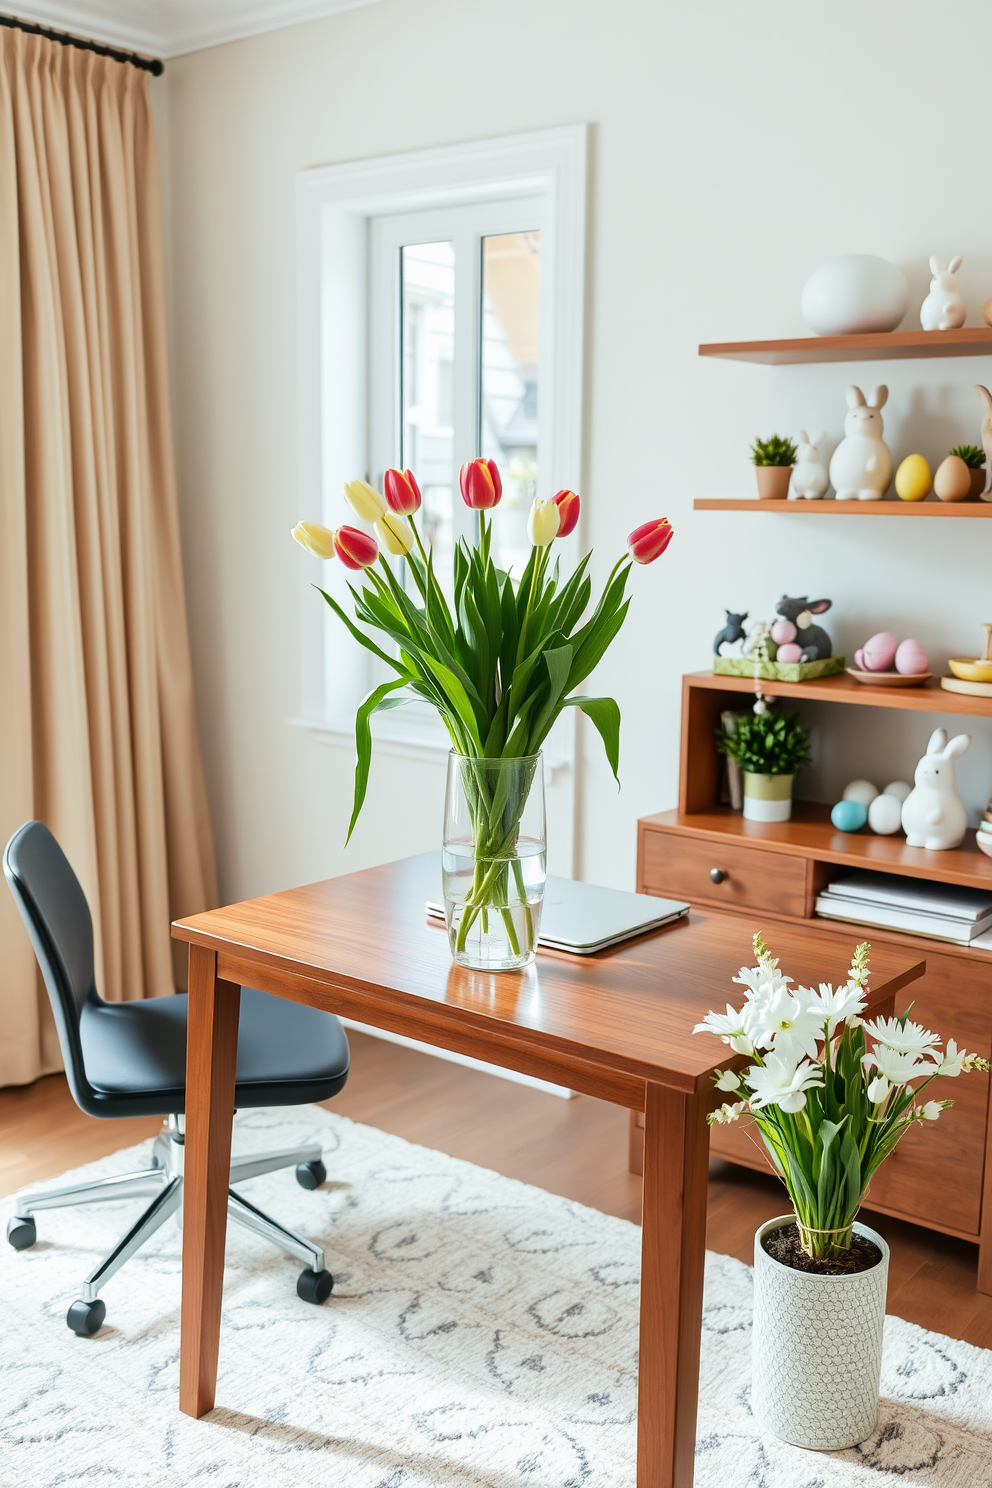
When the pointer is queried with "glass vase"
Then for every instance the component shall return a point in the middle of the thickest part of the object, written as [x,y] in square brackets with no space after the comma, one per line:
[494,860]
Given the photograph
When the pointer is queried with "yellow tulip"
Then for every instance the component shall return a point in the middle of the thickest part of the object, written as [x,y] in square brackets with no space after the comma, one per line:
[364,500]
[542,524]
[395,535]
[317,540]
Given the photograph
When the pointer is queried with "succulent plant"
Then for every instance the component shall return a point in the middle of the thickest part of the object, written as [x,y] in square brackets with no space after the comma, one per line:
[773,451]
[971,454]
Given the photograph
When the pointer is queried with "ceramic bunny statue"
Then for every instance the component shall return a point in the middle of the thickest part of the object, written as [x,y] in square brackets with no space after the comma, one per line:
[861,466]
[809,476]
[943,309]
[985,398]
[933,815]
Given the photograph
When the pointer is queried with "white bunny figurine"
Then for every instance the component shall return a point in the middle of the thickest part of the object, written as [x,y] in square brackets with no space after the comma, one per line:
[933,815]
[861,466]
[943,309]
[809,477]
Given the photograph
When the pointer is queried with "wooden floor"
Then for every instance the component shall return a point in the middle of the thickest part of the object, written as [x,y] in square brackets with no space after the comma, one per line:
[577,1148]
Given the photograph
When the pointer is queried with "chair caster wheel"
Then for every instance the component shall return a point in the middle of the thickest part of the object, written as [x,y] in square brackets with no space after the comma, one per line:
[85,1317]
[313,1286]
[311,1174]
[21,1232]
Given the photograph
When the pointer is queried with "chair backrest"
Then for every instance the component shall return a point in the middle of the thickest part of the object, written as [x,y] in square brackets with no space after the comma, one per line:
[54,910]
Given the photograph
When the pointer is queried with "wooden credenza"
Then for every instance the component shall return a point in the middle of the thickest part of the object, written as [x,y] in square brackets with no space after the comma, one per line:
[941,1174]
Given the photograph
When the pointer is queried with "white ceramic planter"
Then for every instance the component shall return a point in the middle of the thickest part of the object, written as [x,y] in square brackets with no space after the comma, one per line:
[817,1349]
[767,798]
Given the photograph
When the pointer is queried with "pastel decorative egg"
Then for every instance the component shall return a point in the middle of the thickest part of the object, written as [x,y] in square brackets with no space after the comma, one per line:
[885,815]
[913,478]
[953,479]
[898,788]
[911,659]
[790,652]
[783,631]
[849,816]
[880,652]
[854,294]
[861,791]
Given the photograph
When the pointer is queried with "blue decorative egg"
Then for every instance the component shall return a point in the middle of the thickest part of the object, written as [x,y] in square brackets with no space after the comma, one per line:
[849,816]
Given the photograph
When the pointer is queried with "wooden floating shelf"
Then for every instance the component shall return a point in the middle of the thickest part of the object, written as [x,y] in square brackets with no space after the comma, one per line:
[811,834]
[848,508]
[879,346]
[930,697]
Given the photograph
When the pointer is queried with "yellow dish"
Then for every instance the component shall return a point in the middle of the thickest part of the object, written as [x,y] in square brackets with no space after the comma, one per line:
[972,671]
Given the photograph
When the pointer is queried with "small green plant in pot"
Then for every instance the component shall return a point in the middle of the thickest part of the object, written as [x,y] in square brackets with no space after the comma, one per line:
[773,460]
[974,457]
[770,748]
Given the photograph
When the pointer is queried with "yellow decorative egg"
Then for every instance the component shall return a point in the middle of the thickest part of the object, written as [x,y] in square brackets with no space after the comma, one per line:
[913,478]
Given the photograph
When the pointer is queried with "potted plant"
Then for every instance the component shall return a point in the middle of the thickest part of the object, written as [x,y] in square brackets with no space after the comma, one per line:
[770,747]
[974,458]
[773,461]
[500,658]
[830,1096]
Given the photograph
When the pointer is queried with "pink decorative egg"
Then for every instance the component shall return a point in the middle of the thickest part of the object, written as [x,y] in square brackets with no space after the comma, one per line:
[783,631]
[911,659]
[880,652]
[789,652]
[859,660]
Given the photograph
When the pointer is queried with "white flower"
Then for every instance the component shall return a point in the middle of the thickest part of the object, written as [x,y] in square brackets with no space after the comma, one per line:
[762,982]
[897,1068]
[833,1008]
[728,1080]
[782,1082]
[930,1111]
[785,1023]
[878,1089]
[724,1114]
[911,1038]
[729,1027]
[955,1060]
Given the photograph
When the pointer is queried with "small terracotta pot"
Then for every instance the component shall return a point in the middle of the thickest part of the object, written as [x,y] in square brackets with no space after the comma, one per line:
[978,478]
[773,481]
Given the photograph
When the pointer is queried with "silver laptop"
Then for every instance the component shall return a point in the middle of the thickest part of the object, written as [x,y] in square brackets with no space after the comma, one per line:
[583,918]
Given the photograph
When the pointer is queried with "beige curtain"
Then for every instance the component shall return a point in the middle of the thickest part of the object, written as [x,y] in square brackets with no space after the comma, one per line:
[98,734]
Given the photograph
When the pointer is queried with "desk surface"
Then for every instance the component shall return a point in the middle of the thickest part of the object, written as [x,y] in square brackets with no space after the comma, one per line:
[630,1009]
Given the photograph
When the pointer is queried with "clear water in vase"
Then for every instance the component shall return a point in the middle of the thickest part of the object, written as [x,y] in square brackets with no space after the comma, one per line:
[504,898]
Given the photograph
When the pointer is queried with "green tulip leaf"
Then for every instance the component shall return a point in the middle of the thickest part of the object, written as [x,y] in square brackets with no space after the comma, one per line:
[604,714]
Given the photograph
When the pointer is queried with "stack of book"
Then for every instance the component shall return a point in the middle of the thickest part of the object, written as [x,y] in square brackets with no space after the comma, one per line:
[918,906]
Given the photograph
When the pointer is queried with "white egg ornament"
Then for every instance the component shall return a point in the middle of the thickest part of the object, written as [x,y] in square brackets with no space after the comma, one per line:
[861,791]
[911,659]
[885,815]
[880,652]
[898,788]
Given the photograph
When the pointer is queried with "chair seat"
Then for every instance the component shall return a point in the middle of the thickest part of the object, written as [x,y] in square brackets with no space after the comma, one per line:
[135,1053]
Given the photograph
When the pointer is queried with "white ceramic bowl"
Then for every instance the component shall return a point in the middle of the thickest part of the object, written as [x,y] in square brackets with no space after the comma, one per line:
[856,294]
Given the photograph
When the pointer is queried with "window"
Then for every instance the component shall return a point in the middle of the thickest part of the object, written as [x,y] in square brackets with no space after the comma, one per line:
[440,317]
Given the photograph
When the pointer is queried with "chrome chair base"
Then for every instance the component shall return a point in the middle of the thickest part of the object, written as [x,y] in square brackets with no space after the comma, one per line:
[163,1181]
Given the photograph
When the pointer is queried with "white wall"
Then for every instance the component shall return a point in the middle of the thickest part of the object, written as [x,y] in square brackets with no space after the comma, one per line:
[734,148]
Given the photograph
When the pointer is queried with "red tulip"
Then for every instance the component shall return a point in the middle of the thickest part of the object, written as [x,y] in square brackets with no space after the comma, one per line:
[401,492]
[649,541]
[480,484]
[355,549]
[567,503]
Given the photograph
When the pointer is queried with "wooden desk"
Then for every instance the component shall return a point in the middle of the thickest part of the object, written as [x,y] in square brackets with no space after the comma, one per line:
[617,1026]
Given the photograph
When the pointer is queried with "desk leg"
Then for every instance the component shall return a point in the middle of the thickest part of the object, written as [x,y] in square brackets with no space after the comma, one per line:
[211,1061]
[673,1247]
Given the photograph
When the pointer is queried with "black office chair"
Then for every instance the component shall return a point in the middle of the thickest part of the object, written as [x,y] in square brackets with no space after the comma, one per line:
[129,1059]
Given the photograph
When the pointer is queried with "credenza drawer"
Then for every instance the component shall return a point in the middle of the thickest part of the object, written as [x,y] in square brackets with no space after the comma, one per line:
[683,867]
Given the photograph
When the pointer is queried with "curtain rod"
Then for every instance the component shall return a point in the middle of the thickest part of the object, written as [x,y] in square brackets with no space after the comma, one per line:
[147,64]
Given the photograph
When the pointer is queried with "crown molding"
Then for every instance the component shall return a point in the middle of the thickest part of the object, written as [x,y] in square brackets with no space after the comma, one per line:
[169,30]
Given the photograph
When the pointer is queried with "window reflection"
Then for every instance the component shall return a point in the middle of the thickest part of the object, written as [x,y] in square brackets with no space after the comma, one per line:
[427,387]
[511,286]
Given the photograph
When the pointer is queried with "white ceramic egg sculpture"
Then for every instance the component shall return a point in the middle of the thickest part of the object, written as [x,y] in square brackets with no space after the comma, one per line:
[861,791]
[853,295]
[899,788]
[885,815]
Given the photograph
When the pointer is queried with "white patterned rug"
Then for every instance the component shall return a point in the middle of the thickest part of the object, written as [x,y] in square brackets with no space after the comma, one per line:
[482,1334]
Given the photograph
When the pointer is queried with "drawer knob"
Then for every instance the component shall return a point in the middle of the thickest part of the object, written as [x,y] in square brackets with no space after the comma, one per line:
[717,875]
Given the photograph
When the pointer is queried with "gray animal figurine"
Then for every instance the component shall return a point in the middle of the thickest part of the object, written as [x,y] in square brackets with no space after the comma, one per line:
[731,632]
[816,644]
